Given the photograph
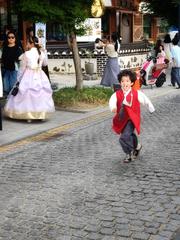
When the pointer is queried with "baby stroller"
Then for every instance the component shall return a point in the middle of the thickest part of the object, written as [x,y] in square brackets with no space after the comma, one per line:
[153,72]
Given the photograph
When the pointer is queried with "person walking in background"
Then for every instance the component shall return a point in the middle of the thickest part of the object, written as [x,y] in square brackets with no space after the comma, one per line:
[1,95]
[10,60]
[34,98]
[175,51]
[125,103]
[160,55]
[112,67]
[167,47]
[157,45]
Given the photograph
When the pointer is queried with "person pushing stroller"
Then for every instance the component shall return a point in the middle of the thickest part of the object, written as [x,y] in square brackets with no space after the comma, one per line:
[125,103]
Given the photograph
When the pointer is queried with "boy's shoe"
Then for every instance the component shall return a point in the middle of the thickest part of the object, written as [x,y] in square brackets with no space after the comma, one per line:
[127,158]
[136,152]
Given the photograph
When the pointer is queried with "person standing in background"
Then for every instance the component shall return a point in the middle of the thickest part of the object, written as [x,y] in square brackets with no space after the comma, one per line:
[167,47]
[112,67]
[10,60]
[1,95]
[156,48]
[175,51]
[161,55]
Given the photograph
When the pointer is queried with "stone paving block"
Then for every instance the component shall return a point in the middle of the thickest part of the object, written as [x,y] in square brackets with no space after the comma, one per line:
[94,236]
[167,234]
[92,228]
[106,231]
[123,233]
[140,236]
[157,237]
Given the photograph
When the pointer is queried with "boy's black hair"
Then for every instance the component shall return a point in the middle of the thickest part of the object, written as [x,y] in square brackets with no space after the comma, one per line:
[125,73]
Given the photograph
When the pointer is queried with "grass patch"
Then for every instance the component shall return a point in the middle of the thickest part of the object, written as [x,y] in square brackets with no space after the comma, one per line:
[69,97]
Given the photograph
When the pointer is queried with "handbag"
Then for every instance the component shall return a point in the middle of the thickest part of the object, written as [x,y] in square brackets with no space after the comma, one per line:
[15,89]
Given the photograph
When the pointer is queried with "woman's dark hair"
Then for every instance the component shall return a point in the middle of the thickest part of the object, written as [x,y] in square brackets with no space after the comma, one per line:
[176,39]
[127,73]
[97,40]
[29,29]
[167,38]
[116,39]
[156,48]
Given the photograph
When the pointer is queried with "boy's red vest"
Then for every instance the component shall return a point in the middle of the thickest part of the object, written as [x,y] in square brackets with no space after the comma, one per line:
[130,113]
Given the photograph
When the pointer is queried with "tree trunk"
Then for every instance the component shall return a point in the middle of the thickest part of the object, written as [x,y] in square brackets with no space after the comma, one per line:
[77,62]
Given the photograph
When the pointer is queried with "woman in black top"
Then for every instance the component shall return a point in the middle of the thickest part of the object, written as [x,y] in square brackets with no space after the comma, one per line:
[10,59]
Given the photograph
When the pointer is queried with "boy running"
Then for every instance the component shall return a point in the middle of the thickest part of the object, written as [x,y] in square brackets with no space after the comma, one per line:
[125,103]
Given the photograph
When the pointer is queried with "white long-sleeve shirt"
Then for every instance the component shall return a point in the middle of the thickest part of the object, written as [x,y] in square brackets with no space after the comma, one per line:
[29,59]
[142,98]
[111,52]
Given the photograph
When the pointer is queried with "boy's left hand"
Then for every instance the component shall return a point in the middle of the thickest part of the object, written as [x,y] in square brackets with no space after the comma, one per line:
[114,110]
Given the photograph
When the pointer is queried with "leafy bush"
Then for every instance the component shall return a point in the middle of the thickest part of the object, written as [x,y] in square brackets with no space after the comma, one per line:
[66,97]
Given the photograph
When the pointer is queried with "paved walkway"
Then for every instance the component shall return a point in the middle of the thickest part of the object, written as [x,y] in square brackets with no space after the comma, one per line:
[75,186]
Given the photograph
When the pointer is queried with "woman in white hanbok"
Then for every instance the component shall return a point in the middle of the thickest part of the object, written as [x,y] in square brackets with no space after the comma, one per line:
[34,98]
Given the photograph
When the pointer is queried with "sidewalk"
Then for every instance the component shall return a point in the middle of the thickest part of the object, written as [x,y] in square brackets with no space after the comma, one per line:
[14,130]
[69,80]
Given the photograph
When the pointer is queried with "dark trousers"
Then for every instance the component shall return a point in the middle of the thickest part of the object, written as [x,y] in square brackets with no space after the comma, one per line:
[128,139]
[175,76]
[0,118]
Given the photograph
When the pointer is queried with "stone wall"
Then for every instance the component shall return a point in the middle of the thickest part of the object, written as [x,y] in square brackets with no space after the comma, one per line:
[66,64]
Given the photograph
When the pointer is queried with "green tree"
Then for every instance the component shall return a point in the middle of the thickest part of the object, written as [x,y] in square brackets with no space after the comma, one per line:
[69,13]
[166,9]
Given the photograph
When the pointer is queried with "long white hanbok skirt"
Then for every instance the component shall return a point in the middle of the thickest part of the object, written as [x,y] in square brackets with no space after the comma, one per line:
[34,99]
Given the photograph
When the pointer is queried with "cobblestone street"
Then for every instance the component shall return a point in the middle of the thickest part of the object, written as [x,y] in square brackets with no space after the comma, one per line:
[75,186]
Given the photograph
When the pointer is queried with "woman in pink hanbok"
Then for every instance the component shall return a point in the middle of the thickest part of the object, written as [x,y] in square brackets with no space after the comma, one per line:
[34,98]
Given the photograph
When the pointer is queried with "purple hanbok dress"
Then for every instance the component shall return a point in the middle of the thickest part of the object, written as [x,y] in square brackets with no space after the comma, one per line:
[34,98]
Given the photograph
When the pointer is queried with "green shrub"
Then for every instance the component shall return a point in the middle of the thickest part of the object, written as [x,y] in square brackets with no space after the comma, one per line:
[89,95]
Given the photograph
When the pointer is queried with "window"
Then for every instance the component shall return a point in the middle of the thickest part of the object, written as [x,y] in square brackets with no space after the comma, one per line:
[55,32]
[147,26]
[105,22]
[164,26]
[9,18]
